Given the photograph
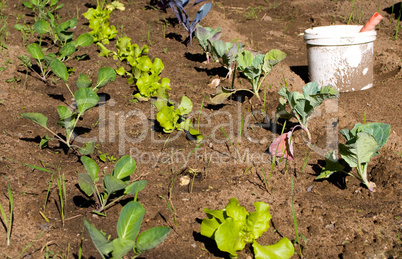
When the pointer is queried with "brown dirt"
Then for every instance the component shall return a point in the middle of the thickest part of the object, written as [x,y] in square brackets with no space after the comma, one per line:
[339,218]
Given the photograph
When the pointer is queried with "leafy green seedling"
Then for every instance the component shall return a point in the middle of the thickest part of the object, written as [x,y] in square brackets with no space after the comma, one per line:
[115,5]
[99,23]
[8,222]
[42,7]
[225,53]
[252,67]
[362,143]
[234,227]
[171,118]
[203,34]
[106,157]
[119,180]
[44,61]
[302,105]
[45,21]
[143,72]
[85,98]
[149,86]
[128,234]
[125,51]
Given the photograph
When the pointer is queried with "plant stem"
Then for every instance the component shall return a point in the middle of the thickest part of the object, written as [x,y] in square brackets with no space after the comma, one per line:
[69,89]
[112,203]
[72,129]
[11,209]
[199,114]
[306,158]
[58,137]
[362,172]
[265,180]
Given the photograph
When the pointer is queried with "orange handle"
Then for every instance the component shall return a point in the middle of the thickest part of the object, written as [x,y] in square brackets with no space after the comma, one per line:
[372,23]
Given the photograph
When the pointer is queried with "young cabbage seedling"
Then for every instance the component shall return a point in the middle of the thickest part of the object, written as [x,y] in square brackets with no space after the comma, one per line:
[178,6]
[233,227]
[85,98]
[252,67]
[171,118]
[225,53]
[42,7]
[119,180]
[128,234]
[362,143]
[302,106]
[45,21]
[44,61]
[205,34]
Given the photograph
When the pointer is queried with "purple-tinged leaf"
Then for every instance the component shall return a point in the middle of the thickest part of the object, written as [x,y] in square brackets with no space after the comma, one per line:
[198,17]
[283,146]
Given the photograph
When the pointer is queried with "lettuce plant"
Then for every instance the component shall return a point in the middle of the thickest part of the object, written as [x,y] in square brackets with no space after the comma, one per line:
[233,227]
[85,98]
[252,67]
[115,5]
[302,106]
[99,23]
[119,180]
[130,53]
[143,72]
[171,118]
[128,234]
[178,6]
[205,34]
[362,143]
[149,86]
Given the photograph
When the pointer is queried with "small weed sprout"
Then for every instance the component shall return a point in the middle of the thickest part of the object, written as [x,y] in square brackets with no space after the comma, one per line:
[8,221]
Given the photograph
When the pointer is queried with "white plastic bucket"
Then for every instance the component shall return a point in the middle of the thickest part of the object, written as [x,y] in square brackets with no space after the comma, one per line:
[341,56]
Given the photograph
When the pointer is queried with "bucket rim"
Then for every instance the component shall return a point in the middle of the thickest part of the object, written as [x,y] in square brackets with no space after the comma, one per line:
[321,32]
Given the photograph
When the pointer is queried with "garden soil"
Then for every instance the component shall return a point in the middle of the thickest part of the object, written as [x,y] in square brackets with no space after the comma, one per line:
[336,218]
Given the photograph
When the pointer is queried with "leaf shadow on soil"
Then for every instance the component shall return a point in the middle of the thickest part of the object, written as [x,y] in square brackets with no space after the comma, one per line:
[58,97]
[197,57]
[337,179]
[209,244]
[216,71]
[302,72]
[170,21]
[61,146]
[396,9]
[175,36]
[88,5]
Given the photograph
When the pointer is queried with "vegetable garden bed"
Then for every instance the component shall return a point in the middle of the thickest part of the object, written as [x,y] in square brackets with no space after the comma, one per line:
[136,116]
